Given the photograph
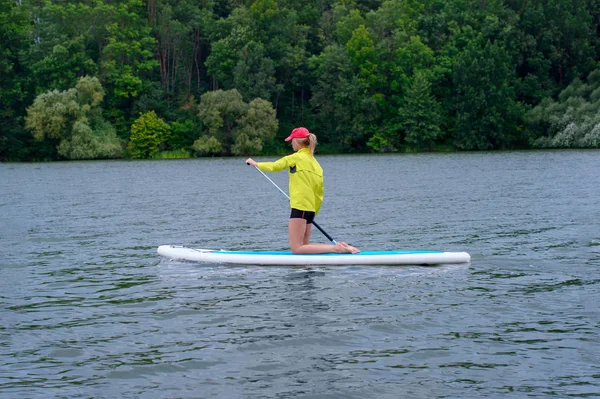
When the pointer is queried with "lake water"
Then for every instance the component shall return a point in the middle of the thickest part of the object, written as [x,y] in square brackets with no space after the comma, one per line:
[88,309]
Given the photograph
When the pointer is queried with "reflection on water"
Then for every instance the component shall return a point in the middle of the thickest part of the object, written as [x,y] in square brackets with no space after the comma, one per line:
[89,310]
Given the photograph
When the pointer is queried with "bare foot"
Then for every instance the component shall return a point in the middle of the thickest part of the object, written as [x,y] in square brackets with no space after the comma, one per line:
[353,249]
[343,248]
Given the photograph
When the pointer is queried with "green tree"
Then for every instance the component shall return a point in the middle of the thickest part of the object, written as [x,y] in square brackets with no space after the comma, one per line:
[397,52]
[257,125]
[219,111]
[346,22]
[61,52]
[420,115]
[126,59]
[14,27]
[254,74]
[85,143]
[63,66]
[236,60]
[413,55]
[52,114]
[487,115]
[128,53]
[148,134]
[572,121]
[231,36]
[234,127]
[72,120]
[556,41]
[208,145]
[182,29]
[361,51]
[183,134]
[345,111]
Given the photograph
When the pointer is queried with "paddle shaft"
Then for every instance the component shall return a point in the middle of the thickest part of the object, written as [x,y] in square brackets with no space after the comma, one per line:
[286,196]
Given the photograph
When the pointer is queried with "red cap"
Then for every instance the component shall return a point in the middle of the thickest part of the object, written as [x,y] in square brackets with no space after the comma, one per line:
[298,133]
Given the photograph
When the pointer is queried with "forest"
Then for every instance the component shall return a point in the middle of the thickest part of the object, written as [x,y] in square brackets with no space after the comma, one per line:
[102,79]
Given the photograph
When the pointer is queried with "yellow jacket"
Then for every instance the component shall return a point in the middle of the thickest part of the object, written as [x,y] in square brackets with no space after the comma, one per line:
[306,179]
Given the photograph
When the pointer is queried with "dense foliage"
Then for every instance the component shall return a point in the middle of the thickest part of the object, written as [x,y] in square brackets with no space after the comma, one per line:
[235,76]
[148,134]
[73,120]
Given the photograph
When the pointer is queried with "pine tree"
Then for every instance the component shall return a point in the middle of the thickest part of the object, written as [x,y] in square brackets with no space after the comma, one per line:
[420,114]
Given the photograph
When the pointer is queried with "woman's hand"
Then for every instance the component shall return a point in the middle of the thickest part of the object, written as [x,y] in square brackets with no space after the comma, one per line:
[251,161]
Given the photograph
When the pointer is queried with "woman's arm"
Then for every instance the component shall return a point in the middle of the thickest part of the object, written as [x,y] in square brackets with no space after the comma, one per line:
[277,166]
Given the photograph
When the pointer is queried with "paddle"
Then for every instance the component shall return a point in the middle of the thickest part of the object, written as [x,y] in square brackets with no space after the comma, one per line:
[286,196]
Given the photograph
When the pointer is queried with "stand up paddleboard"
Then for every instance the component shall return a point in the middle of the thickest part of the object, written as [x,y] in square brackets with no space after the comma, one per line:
[400,257]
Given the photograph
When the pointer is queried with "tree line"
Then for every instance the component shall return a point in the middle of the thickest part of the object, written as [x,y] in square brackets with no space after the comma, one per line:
[170,78]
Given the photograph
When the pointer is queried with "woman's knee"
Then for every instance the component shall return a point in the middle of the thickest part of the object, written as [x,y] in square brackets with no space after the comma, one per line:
[296,249]
[296,232]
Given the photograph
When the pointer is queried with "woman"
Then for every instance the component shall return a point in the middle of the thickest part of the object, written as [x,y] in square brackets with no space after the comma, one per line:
[306,192]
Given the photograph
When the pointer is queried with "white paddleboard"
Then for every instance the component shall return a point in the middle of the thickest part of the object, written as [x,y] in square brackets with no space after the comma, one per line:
[399,257]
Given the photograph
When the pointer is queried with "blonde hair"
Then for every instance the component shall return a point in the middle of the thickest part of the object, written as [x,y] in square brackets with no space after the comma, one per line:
[310,142]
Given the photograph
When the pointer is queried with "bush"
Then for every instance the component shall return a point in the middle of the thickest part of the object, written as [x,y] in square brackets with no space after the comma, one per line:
[208,145]
[573,121]
[148,134]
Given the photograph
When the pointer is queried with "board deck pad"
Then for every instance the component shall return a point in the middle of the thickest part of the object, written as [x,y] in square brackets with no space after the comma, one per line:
[396,257]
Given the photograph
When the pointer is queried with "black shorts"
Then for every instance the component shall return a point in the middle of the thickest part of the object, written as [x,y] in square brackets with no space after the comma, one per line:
[306,215]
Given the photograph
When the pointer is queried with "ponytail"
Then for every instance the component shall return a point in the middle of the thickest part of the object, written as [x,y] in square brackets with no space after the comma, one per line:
[310,142]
